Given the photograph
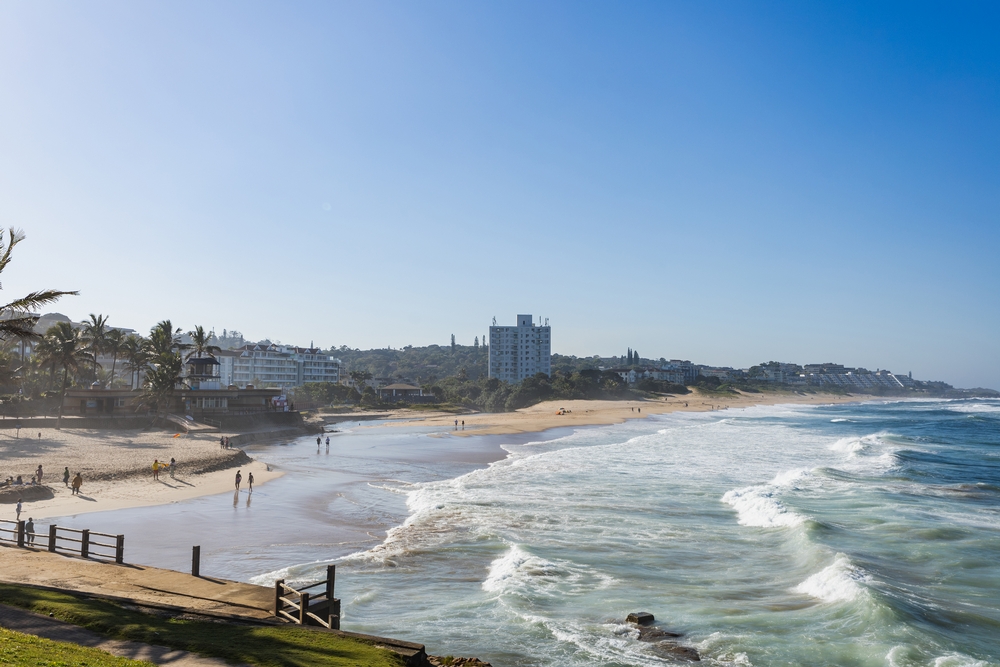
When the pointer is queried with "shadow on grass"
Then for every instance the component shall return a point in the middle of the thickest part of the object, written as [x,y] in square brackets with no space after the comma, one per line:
[265,646]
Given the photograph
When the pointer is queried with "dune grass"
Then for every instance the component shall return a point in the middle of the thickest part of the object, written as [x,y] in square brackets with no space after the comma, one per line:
[20,650]
[265,646]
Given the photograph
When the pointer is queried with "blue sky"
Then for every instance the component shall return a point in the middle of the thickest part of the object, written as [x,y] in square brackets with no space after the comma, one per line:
[724,182]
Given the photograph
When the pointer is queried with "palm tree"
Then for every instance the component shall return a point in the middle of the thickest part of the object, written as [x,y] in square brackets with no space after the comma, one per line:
[113,344]
[136,357]
[16,320]
[95,333]
[164,339]
[65,348]
[161,380]
[164,366]
[200,340]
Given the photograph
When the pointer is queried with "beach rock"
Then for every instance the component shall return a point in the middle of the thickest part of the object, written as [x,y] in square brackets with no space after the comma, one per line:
[676,652]
[451,661]
[649,634]
[640,617]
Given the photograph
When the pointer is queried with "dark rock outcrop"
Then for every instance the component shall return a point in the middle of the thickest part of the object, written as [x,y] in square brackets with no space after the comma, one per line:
[640,617]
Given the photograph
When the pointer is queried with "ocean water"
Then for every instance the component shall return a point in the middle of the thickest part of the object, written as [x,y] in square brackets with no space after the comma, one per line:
[861,534]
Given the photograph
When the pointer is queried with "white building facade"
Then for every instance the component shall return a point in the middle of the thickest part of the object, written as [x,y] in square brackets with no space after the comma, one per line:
[520,351]
[277,366]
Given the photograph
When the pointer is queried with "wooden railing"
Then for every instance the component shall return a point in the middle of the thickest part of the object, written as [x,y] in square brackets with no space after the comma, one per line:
[66,540]
[299,606]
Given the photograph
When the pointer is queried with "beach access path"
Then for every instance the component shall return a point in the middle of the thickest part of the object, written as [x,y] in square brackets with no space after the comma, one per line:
[140,584]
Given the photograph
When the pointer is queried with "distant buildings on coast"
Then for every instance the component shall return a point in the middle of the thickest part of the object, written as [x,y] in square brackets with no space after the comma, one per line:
[829,374]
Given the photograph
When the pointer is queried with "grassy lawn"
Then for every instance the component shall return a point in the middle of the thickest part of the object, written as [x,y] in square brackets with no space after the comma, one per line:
[282,646]
[18,650]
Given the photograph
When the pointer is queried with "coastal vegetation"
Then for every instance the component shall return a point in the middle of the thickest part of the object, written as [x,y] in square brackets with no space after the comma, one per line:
[264,646]
[21,650]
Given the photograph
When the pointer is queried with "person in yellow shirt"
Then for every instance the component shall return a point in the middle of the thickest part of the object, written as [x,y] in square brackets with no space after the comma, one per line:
[156,469]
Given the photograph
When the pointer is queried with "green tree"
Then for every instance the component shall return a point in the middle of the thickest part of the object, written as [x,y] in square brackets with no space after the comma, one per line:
[65,349]
[162,378]
[201,343]
[135,352]
[164,365]
[95,335]
[360,378]
[16,318]
[114,342]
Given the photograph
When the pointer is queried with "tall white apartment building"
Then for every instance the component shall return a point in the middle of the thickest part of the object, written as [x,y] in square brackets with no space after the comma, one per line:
[520,351]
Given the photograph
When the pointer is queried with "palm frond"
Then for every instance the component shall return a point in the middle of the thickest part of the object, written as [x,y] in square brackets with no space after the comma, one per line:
[33,300]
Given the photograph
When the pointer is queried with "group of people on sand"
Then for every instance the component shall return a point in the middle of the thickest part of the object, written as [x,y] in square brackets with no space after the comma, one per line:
[158,466]
[224,442]
[36,479]
[19,481]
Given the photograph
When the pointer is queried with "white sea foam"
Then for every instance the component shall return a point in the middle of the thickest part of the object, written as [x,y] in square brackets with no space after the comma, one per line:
[958,660]
[838,582]
[759,506]
[839,420]
[852,446]
[518,571]
[975,407]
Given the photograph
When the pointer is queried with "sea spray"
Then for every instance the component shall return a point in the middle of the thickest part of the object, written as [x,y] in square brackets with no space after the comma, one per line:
[838,582]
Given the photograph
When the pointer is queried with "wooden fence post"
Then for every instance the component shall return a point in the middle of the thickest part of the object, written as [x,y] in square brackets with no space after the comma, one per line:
[195,561]
[331,577]
[277,596]
[20,533]
[120,549]
[303,608]
[335,616]
[52,538]
[85,543]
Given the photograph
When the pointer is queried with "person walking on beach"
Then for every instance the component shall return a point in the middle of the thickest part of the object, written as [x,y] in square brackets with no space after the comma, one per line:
[77,483]
[66,477]
[222,442]
[327,441]
[250,480]
[17,510]
[239,478]
[456,424]
[156,469]
[173,464]
[29,529]
[38,473]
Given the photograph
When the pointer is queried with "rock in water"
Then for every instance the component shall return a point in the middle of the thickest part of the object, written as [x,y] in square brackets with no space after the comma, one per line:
[648,634]
[640,617]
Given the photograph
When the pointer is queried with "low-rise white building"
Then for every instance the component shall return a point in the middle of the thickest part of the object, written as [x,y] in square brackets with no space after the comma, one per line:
[269,365]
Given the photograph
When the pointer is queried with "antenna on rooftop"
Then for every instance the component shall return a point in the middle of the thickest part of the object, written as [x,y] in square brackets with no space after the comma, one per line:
[494,320]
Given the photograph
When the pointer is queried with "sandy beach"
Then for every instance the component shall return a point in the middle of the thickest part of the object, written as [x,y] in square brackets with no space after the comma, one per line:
[556,414]
[116,466]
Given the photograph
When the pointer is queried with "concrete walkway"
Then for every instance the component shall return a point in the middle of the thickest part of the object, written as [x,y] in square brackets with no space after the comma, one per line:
[139,583]
[20,620]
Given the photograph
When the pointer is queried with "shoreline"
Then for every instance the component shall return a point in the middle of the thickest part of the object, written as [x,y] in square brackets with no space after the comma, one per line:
[548,414]
[113,484]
